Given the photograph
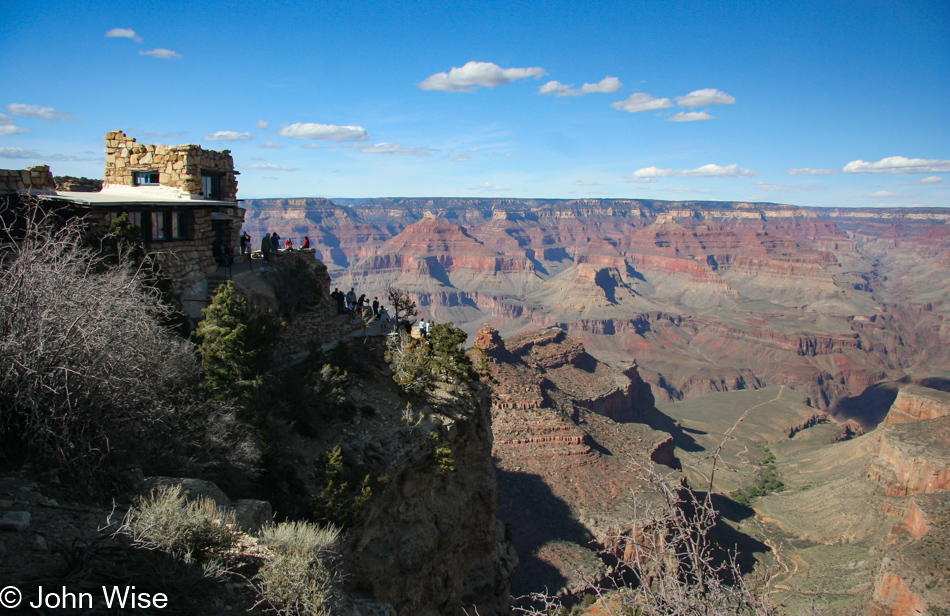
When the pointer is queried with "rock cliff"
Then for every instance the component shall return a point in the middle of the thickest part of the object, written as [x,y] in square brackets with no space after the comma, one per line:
[565,441]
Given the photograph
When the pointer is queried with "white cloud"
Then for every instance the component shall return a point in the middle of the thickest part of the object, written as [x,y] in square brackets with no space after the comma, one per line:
[270,145]
[164,54]
[489,187]
[886,194]
[228,135]
[583,183]
[35,111]
[491,153]
[509,155]
[807,171]
[395,148]
[326,132]
[934,179]
[478,74]
[473,149]
[270,167]
[557,89]
[706,171]
[606,85]
[7,127]
[124,33]
[459,158]
[261,124]
[21,154]
[704,97]
[690,116]
[640,102]
[898,164]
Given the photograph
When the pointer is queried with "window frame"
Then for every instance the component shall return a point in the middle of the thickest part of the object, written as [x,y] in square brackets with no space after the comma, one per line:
[148,176]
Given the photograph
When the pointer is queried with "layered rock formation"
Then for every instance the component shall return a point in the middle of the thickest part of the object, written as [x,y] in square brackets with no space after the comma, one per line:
[707,296]
[565,440]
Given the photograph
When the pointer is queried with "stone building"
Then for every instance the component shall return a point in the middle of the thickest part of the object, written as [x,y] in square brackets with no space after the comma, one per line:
[183,198]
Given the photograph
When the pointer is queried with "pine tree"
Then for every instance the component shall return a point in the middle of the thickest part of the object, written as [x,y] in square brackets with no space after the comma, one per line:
[227,359]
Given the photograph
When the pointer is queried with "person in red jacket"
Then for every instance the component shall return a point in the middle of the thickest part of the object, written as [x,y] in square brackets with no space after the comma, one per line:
[306,243]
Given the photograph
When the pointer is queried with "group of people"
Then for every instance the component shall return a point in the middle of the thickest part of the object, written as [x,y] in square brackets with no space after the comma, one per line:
[270,243]
[348,303]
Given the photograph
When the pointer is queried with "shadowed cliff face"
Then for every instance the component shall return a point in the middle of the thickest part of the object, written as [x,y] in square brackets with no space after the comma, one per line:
[565,436]
[706,296]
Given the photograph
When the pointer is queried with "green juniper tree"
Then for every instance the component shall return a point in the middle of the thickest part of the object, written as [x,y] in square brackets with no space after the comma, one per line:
[228,360]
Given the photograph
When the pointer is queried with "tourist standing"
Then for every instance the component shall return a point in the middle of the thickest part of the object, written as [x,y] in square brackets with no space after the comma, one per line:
[275,241]
[266,248]
[245,242]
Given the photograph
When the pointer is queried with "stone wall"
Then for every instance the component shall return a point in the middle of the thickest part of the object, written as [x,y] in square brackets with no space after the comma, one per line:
[31,178]
[187,262]
[180,166]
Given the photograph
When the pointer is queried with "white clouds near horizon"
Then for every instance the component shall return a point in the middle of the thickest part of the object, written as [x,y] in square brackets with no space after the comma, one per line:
[228,135]
[326,132]
[47,114]
[163,54]
[647,174]
[7,127]
[459,157]
[704,98]
[128,33]
[607,85]
[690,116]
[886,194]
[898,164]
[21,154]
[395,149]
[261,124]
[934,179]
[477,74]
[270,167]
[807,171]
[640,102]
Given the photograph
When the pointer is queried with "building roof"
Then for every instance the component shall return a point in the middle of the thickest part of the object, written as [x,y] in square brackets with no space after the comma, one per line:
[124,199]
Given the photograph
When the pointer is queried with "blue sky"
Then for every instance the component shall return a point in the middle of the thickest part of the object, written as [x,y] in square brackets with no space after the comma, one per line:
[834,103]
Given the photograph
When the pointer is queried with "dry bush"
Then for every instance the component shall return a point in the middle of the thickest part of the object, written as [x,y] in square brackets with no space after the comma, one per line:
[90,380]
[191,530]
[300,575]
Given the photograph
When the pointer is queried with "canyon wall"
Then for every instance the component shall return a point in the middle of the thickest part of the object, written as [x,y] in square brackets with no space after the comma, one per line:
[705,296]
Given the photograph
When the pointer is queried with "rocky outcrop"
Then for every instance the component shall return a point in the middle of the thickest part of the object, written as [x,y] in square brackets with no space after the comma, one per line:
[913,577]
[564,437]
[913,458]
[914,403]
[429,544]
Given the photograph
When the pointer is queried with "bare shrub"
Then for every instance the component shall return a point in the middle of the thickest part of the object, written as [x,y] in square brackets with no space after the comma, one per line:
[90,380]
[300,575]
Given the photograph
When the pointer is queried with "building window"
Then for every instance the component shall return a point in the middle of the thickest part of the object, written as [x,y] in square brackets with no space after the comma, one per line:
[159,228]
[134,217]
[146,178]
[179,225]
[211,186]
